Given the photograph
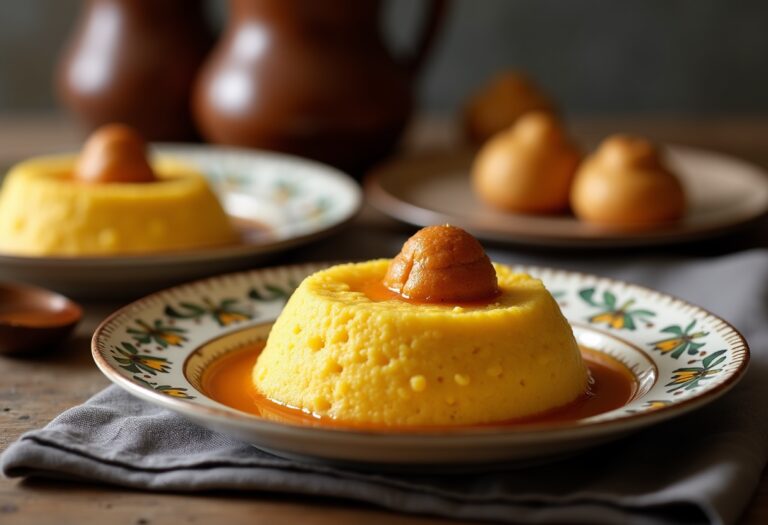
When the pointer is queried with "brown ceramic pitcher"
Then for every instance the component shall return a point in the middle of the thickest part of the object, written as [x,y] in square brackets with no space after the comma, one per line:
[310,77]
[134,61]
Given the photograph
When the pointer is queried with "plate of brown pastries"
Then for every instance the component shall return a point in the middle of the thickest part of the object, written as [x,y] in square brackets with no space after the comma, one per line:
[530,184]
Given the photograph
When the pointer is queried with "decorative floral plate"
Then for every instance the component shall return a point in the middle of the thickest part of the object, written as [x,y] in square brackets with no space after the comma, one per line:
[293,200]
[158,347]
[723,193]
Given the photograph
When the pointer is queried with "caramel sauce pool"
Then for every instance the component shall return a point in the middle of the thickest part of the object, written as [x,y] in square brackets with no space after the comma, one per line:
[228,381]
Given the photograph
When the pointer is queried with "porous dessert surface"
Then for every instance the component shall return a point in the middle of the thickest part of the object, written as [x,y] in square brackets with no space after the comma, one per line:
[336,352]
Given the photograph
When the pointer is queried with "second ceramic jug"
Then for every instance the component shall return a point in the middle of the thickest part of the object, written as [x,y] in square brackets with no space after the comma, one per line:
[312,78]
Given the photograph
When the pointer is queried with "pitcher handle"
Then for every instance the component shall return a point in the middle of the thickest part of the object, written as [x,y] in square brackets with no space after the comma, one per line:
[433,19]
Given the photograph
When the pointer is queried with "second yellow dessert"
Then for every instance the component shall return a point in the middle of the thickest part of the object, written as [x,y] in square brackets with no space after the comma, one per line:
[108,201]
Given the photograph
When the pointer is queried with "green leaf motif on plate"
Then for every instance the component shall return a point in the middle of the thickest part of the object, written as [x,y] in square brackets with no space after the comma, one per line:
[682,340]
[225,313]
[271,292]
[320,208]
[689,377]
[615,316]
[284,191]
[129,358]
[168,390]
[162,334]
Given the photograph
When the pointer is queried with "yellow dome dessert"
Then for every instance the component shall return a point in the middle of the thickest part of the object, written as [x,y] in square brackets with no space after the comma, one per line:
[339,351]
[46,209]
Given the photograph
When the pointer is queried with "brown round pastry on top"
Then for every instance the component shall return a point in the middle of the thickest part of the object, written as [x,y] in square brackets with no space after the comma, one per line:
[114,153]
[442,264]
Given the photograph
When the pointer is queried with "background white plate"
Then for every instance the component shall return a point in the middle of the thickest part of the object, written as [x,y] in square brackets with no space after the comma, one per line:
[298,200]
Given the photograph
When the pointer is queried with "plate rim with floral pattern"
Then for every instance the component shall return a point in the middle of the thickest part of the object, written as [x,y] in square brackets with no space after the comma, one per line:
[697,355]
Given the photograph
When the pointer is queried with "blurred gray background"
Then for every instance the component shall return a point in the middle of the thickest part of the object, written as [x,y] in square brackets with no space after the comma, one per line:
[593,56]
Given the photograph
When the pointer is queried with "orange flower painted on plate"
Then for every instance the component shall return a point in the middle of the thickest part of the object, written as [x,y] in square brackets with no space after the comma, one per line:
[174,392]
[618,317]
[667,345]
[160,333]
[171,391]
[682,340]
[228,318]
[129,358]
[690,377]
[612,319]
[656,404]
[225,313]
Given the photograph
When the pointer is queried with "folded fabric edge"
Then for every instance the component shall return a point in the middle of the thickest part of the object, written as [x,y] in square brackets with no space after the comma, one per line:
[22,459]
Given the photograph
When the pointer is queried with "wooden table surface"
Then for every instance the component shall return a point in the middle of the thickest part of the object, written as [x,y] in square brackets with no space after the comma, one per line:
[34,390]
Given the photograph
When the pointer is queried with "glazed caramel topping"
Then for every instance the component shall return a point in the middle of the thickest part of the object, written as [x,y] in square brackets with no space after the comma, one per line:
[114,153]
[442,264]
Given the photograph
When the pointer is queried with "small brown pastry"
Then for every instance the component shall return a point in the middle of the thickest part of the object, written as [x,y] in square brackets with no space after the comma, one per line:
[114,153]
[441,264]
[626,185]
[499,103]
[527,168]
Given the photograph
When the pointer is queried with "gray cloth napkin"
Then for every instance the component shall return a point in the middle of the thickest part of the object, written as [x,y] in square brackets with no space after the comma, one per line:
[702,467]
